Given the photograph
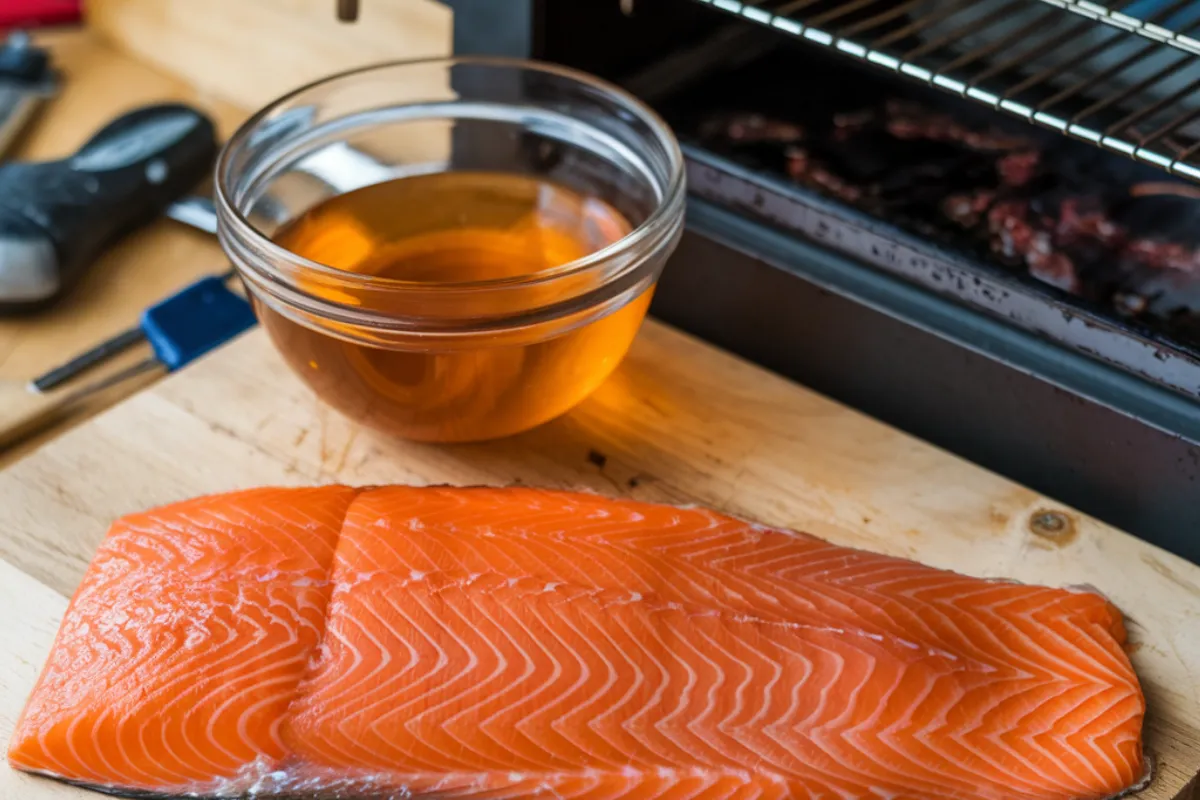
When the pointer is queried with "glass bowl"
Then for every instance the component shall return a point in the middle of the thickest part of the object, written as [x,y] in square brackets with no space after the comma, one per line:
[326,179]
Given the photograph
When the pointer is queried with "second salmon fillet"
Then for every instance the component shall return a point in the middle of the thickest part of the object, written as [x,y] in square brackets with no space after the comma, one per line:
[510,643]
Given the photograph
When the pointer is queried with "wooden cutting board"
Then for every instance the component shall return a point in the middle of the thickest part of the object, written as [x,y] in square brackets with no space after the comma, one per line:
[680,422]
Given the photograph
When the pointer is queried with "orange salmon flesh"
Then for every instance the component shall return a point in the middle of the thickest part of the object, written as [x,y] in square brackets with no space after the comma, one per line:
[515,643]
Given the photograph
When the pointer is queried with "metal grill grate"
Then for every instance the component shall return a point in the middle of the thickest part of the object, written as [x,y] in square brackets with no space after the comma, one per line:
[1125,76]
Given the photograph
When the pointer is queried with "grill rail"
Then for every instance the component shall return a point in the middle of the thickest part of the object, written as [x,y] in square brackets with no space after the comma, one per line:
[1125,76]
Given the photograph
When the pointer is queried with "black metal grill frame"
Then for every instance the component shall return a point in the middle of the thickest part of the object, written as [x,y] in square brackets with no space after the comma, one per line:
[1068,65]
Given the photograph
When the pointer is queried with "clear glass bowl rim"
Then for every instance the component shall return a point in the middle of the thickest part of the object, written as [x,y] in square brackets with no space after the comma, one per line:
[658,225]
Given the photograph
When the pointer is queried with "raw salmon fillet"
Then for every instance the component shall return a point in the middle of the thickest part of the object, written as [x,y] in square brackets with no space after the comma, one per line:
[512,643]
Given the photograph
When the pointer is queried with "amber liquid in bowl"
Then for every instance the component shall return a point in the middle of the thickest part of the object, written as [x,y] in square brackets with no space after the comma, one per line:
[456,227]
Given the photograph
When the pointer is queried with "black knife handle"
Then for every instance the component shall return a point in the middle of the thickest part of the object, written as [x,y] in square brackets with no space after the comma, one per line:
[126,175]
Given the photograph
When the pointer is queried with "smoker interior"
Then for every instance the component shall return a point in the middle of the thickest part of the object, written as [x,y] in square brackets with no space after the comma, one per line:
[1090,231]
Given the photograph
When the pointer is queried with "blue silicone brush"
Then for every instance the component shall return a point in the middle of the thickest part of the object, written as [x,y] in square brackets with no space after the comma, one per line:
[180,329]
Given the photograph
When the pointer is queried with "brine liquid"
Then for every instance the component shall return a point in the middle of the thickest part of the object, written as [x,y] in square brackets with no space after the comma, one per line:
[454,227]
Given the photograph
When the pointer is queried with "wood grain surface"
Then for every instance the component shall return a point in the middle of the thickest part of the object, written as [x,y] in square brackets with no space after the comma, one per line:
[27,628]
[249,53]
[680,422]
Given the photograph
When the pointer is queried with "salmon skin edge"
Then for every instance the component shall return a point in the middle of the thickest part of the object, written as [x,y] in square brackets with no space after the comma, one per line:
[141,794]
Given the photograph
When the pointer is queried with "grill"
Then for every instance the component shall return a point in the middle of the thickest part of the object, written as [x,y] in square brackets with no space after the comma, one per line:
[1054,235]
[977,220]
[1124,76]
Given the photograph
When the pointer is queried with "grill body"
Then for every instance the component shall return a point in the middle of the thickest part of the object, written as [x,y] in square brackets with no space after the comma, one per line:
[1053,391]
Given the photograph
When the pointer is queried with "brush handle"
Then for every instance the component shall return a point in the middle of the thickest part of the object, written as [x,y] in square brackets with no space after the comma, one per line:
[23,412]
[125,176]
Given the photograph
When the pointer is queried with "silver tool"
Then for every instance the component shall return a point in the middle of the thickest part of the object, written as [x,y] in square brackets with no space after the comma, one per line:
[27,80]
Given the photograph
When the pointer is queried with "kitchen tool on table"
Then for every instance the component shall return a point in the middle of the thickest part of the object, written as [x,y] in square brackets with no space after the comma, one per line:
[180,329]
[97,354]
[335,166]
[27,80]
[57,217]
[195,211]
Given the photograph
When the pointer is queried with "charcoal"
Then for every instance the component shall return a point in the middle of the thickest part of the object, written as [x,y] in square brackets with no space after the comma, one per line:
[1075,218]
